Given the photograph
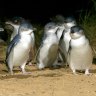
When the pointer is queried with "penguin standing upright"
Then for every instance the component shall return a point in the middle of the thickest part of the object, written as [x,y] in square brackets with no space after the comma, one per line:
[16,23]
[48,51]
[18,50]
[65,38]
[80,53]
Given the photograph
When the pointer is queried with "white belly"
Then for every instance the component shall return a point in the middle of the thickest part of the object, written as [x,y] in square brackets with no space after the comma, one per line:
[20,53]
[45,51]
[81,58]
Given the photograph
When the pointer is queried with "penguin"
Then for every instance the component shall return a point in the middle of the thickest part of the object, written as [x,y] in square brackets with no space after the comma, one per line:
[80,53]
[18,50]
[15,23]
[65,38]
[59,34]
[59,20]
[47,54]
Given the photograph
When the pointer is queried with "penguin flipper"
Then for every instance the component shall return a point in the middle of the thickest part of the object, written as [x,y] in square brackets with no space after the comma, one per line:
[13,43]
[69,47]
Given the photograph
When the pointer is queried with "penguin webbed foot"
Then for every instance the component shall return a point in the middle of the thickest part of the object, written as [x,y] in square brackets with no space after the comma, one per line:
[10,72]
[87,72]
[74,72]
[41,66]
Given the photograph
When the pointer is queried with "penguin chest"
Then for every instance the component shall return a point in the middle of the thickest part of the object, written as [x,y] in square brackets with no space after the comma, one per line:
[21,52]
[81,57]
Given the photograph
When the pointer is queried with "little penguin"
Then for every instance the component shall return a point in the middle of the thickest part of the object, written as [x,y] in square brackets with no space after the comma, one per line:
[65,38]
[80,53]
[47,54]
[16,23]
[18,50]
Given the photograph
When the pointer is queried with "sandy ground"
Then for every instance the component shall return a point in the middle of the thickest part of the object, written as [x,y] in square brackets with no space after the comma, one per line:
[48,82]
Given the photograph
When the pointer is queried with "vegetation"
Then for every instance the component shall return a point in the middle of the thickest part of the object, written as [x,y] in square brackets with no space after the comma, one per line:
[88,22]
[86,19]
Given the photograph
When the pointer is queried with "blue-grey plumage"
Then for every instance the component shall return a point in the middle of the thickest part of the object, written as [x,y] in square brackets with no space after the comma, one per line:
[80,53]
[65,38]
[12,44]
[18,50]
[48,50]
[15,23]
[59,20]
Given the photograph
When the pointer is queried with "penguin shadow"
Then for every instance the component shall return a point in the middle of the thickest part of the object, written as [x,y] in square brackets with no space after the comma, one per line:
[38,73]
[17,74]
[46,72]
[48,75]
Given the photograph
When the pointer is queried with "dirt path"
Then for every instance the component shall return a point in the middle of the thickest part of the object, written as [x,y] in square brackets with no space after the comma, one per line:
[57,82]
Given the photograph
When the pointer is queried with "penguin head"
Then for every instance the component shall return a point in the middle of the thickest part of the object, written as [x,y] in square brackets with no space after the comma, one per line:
[58,19]
[15,21]
[25,28]
[50,28]
[69,22]
[76,32]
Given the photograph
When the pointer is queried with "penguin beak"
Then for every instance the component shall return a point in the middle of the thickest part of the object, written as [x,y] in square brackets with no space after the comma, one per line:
[30,33]
[72,32]
[34,29]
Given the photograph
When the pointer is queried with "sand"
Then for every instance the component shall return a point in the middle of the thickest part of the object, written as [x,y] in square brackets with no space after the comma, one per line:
[47,82]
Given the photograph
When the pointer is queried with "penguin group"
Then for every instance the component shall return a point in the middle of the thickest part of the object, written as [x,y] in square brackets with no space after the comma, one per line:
[63,43]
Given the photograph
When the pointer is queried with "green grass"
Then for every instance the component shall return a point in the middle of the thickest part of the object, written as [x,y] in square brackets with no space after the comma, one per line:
[88,22]
[89,25]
